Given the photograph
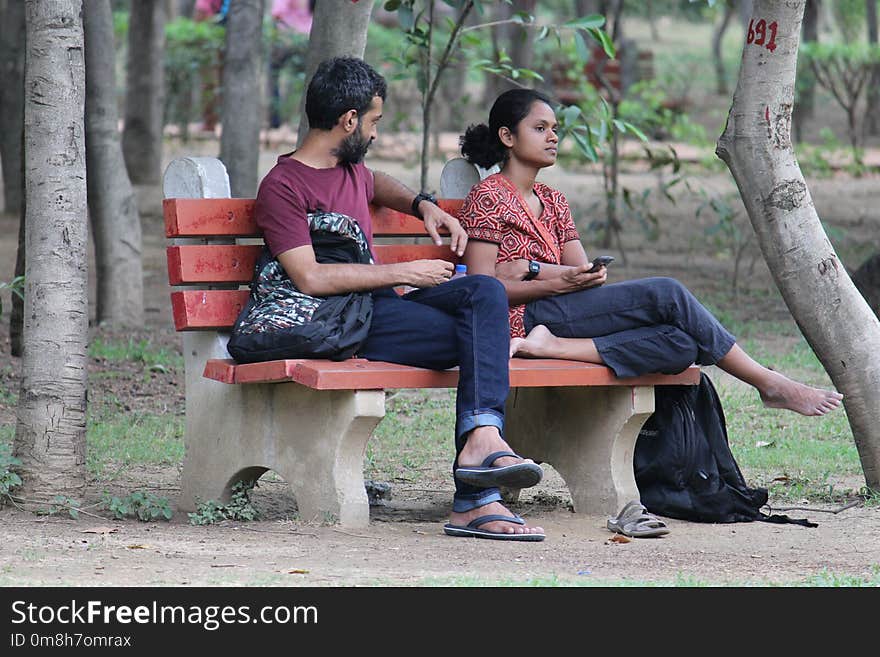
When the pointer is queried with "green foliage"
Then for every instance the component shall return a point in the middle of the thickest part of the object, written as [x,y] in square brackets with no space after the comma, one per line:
[15,286]
[146,507]
[648,105]
[61,503]
[8,478]
[192,50]
[124,439]
[849,16]
[238,508]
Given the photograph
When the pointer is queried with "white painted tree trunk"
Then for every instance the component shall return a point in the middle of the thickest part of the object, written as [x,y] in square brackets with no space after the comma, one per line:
[339,29]
[112,203]
[240,109]
[51,431]
[756,146]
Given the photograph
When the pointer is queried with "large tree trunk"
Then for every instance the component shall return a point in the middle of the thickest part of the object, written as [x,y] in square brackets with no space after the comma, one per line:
[50,435]
[872,109]
[240,109]
[144,92]
[112,203]
[756,146]
[339,29]
[12,45]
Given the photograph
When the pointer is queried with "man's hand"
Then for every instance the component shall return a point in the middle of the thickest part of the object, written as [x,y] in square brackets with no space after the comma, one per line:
[513,270]
[426,273]
[435,218]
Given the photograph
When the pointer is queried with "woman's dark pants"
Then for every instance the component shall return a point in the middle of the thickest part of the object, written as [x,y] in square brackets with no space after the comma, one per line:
[639,327]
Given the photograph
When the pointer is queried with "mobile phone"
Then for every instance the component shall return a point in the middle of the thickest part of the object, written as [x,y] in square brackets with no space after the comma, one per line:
[600,261]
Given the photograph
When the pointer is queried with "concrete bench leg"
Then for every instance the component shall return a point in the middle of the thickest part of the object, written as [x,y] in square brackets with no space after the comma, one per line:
[588,434]
[314,439]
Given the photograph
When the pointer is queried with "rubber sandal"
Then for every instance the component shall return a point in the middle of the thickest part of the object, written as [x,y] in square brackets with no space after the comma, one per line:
[472,529]
[635,521]
[518,475]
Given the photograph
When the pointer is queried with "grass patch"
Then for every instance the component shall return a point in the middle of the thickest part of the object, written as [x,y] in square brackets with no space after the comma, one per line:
[133,439]
[135,351]
[415,435]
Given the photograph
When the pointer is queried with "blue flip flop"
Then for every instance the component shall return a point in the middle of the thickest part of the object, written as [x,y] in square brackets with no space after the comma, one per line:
[472,530]
[518,475]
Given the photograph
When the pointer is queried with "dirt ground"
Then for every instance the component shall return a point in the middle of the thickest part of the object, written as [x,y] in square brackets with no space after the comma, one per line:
[404,544]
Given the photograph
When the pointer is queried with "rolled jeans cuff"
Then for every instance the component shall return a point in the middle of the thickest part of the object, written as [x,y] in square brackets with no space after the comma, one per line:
[481,418]
[464,502]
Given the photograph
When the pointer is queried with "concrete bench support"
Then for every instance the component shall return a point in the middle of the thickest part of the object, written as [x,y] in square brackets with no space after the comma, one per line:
[588,434]
[314,439]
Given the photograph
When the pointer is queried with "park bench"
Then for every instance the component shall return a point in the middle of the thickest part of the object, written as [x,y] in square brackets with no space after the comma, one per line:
[310,420]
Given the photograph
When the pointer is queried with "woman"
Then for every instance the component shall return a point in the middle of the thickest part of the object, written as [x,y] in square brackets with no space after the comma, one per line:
[522,232]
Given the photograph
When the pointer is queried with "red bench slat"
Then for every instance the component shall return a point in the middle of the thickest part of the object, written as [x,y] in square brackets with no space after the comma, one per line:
[206,309]
[201,217]
[221,263]
[215,263]
[234,217]
[360,374]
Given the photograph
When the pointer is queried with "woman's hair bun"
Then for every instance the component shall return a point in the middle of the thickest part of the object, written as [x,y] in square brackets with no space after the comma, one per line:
[479,146]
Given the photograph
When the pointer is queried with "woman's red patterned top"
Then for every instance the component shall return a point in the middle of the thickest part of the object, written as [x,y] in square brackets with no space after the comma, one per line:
[494,211]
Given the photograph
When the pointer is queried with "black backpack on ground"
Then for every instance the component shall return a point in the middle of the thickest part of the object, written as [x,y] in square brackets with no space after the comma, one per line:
[683,464]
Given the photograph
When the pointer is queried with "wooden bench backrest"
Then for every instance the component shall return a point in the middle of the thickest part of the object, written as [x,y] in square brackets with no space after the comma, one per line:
[206,259]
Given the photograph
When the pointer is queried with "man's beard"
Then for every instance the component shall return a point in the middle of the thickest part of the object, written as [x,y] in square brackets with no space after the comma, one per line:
[353,148]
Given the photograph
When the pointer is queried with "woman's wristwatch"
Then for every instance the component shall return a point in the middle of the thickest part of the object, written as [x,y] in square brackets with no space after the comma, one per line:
[534,270]
[422,196]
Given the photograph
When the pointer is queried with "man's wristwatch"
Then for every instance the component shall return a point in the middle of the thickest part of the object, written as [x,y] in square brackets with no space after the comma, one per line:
[534,270]
[422,196]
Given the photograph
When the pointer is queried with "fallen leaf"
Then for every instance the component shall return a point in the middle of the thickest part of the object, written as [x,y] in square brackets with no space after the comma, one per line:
[764,443]
[137,546]
[781,478]
[297,571]
[100,530]
[618,538]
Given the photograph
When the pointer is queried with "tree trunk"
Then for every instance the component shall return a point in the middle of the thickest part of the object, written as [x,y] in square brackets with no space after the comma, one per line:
[12,46]
[867,280]
[144,93]
[756,146]
[112,203]
[717,56]
[50,436]
[872,108]
[804,108]
[339,29]
[16,316]
[240,109]
[514,40]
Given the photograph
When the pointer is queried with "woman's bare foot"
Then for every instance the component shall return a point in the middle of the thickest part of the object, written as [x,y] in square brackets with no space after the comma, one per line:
[498,526]
[782,392]
[539,343]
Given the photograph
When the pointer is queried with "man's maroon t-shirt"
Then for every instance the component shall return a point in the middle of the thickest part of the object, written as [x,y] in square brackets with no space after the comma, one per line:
[292,189]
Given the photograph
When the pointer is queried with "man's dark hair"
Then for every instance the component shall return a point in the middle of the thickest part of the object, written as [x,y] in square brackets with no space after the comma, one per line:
[339,85]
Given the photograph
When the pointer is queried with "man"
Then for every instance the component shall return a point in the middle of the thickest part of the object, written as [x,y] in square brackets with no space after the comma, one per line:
[441,324]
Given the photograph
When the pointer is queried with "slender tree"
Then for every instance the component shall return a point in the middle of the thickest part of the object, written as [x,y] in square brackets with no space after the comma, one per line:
[12,45]
[717,55]
[240,109]
[51,429]
[339,29]
[144,92]
[872,110]
[757,148]
[112,203]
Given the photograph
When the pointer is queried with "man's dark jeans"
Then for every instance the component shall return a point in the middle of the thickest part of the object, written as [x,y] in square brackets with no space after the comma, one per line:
[460,323]
[639,327]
